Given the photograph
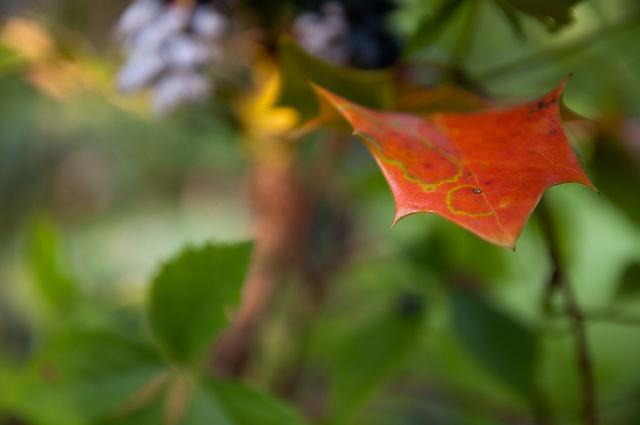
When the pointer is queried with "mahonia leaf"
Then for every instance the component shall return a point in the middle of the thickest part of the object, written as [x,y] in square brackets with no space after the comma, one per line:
[298,68]
[410,98]
[485,171]
[442,98]
[512,17]
[433,24]
[553,13]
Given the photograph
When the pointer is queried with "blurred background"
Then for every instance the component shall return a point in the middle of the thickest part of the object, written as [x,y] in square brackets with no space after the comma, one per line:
[106,173]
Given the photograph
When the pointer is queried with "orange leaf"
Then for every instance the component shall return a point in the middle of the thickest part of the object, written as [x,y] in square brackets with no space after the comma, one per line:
[485,171]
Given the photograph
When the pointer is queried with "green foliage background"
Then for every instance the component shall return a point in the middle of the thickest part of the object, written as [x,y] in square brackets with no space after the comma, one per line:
[102,304]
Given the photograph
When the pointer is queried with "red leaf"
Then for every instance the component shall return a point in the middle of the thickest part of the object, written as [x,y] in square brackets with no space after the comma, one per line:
[485,171]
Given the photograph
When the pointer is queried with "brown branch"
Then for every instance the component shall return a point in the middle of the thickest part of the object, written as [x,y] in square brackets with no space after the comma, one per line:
[558,281]
[590,410]
[278,206]
[324,250]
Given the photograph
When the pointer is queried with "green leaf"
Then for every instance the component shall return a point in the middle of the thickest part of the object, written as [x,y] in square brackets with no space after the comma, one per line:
[512,17]
[51,275]
[426,101]
[151,414]
[174,399]
[190,296]
[101,371]
[617,173]
[298,68]
[213,402]
[23,394]
[245,406]
[433,25]
[446,249]
[200,407]
[205,409]
[502,345]
[370,355]
[553,13]
[629,284]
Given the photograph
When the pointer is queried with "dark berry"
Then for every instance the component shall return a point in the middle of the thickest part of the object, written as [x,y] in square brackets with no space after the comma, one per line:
[371,45]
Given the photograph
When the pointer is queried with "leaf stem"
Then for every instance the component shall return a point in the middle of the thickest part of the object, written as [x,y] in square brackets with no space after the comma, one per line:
[558,281]
[278,205]
[585,361]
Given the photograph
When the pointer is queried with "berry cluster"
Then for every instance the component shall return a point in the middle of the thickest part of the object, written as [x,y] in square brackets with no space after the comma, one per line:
[170,45]
[349,32]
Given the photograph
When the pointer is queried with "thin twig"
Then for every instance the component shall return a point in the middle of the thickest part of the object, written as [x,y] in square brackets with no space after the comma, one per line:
[584,356]
[607,316]
[558,281]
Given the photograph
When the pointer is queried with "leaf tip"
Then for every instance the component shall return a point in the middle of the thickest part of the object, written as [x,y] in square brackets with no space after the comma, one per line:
[509,242]
[402,213]
[326,95]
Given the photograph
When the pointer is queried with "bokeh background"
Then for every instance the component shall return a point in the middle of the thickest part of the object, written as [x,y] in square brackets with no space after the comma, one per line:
[420,324]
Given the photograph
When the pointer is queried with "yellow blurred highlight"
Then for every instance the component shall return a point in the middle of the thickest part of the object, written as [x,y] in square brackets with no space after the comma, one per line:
[59,80]
[62,78]
[28,38]
[262,119]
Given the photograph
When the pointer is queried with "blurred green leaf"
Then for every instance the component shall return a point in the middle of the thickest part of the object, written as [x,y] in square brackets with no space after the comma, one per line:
[371,354]
[215,402]
[100,370]
[51,275]
[442,98]
[503,346]
[200,408]
[553,13]
[151,414]
[433,24]
[629,285]
[190,294]
[448,250]
[24,395]
[245,406]
[512,17]
[298,68]
[205,409]
[617,174]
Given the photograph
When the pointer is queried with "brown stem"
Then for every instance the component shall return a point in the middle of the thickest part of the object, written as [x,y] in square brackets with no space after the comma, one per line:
[324,247]
[278,206]
[590,411]
[558,281]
